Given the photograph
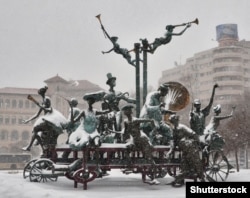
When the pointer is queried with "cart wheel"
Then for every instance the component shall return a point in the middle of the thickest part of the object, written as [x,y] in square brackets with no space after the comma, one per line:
[26,170]
[84,176]
[42,171]
[160,172]
[217,169]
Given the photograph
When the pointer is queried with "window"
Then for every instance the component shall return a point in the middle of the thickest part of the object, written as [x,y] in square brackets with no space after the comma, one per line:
[20,104]
[228,68]
[1,103]
[14,135]
[7,103]
[228,78]
[25,135]
[27,104]
[4,135]
[20,120]
[14,103]
[7,120]
[13,120]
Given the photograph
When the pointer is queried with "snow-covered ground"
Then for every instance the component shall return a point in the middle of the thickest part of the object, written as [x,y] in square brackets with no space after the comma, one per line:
[116,185]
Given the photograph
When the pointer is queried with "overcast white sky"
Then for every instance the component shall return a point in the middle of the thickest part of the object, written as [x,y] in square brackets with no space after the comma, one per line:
[42,38]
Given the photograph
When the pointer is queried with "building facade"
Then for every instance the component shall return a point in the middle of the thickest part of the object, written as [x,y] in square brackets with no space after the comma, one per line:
[15,107]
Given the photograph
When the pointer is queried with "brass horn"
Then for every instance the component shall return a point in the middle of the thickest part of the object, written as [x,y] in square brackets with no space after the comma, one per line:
[99,18]
[176,99]
[196,21]
[178,96]
[33,100]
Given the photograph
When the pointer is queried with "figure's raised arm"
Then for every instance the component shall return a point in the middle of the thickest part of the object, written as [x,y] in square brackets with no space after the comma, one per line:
[108,51]
[105,32]
[226,116]
[180,33]
[125,96]
[103,29]
[82,114]
[206,110]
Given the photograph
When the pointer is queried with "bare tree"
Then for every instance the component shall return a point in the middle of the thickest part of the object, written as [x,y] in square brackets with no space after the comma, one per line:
[236,131]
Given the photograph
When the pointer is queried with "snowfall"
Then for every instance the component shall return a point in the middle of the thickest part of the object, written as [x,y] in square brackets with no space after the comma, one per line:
[115,185]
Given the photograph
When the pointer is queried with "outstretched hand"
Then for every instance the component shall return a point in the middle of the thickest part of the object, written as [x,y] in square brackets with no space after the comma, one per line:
[25,121]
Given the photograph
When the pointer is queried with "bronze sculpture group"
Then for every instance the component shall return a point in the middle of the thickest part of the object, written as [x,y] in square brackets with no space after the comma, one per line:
[158,123]
[92,127]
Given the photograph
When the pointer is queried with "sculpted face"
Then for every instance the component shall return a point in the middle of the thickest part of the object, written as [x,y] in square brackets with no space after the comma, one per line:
[47,102]
[197,106]
[174,119]
[91,101]
[127,111]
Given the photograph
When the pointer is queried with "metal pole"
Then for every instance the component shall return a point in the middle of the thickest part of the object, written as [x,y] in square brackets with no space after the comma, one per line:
[145,73]
[137,77]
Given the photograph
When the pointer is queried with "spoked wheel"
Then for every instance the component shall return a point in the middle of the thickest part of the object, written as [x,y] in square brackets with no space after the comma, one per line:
[84,176]
[217,169]
[27,168]
[160,172]
[41,171]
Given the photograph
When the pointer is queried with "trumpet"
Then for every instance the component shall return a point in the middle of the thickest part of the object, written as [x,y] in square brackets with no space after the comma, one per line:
[99,18]
[196,21]
[104,31]
[33,100]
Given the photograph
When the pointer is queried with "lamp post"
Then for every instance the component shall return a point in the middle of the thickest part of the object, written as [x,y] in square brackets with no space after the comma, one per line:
[137,77]
[145,47]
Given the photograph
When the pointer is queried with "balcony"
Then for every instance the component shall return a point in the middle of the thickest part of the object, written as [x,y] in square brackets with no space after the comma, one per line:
[226,63]
[228,73]
[230,91]
[230,82]
[227,55]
